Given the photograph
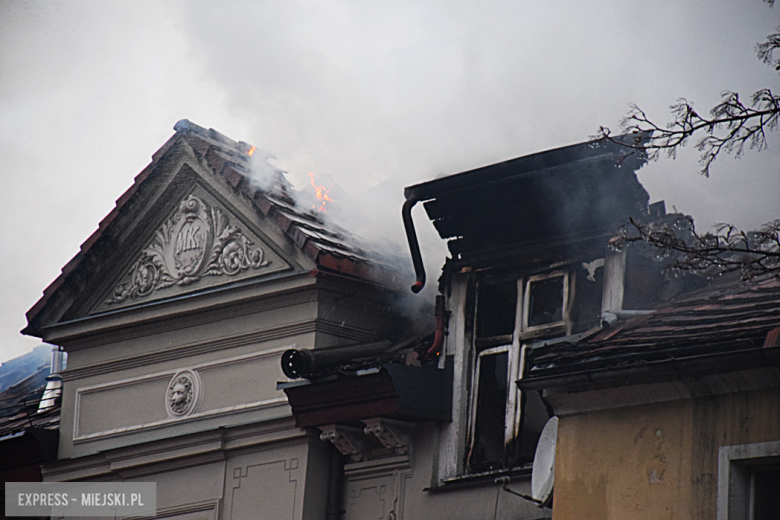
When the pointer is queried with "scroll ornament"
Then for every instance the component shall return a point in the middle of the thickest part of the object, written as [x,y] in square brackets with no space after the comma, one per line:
[197,241]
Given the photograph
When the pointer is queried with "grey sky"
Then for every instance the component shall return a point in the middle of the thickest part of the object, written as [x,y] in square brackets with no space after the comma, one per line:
[374,93]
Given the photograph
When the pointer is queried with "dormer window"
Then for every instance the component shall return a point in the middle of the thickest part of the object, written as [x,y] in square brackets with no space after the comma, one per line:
[504,424]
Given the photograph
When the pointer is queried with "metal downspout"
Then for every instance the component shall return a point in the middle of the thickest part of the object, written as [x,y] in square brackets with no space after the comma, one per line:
[333,508]
[414,246]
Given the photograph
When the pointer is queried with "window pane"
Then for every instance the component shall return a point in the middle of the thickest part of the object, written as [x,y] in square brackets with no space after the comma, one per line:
[545,304]
[487,451]
[586,306]
[496,309]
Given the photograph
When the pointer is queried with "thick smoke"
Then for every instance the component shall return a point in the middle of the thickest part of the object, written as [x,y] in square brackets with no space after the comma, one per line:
[370,220]
[379,94]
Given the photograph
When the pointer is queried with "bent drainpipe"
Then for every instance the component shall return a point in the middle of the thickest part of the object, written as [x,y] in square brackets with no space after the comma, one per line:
[414,246]
[438,339]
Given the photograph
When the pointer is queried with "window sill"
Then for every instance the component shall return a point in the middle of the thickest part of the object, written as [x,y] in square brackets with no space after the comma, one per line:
[481,479]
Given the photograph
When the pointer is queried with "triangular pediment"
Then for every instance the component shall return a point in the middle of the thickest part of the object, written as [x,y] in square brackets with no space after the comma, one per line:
[207,215]
[201,244]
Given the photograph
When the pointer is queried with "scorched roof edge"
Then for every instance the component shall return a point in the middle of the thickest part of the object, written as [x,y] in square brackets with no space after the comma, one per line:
[519,166]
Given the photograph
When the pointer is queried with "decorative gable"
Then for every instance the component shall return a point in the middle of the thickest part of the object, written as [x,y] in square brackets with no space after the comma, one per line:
[201,244]
[207,211]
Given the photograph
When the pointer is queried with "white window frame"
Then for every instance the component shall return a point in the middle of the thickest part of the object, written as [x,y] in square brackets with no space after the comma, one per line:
[526,308]
[735,474]
[510,412]
[516,357]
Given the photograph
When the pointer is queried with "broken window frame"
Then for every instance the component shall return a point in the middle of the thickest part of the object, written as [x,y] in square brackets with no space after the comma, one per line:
[564,323]
[511,417]
[521,337]
[487,341]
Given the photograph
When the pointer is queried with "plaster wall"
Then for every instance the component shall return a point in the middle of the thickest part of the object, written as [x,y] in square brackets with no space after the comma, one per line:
[655,461]
[115,389]
[403,488]
[244,477]
[280,482]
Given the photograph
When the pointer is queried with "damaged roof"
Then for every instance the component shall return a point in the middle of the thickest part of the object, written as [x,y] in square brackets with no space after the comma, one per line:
[19,406]
[573,191]
[729,325]
[331,248]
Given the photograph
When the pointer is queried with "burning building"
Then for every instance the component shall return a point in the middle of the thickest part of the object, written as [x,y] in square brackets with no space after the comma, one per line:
[530,264]
[253,362]
[637,394]
[585,381]
[174,315]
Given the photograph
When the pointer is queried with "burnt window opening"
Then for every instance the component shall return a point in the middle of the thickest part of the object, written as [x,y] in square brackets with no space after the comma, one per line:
[535,416]
[496,308]
[545,303]
[643,277]
[487,450]
[588,289]
[501,436]
[545,300]
[505,424]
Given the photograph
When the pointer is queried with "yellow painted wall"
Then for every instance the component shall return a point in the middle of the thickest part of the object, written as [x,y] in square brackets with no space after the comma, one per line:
[657,461]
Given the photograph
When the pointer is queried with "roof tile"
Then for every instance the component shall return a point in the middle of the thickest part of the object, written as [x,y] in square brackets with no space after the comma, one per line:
[728,315]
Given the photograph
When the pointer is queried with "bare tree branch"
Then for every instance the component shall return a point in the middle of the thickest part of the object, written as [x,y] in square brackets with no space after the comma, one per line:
[730,126]
[725,250]
[765,50]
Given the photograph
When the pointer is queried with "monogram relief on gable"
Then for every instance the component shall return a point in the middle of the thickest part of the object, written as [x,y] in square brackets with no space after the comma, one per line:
[197,241]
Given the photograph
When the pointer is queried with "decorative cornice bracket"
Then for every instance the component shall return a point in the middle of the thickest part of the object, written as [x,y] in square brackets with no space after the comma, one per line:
[396,435]
[348,440]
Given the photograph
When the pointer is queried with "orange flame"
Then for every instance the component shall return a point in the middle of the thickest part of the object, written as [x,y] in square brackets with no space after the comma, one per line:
[251,151]
[321,193]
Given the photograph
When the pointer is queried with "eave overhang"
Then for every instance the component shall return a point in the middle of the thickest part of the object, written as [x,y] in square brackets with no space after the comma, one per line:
[672,369]
[394,391]
[582,189]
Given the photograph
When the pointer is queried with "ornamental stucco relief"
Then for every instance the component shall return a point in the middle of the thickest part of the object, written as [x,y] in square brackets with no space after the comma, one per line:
[197,241]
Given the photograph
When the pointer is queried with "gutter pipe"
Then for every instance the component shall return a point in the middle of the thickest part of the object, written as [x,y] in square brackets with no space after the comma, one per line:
[411,237]
[333,507]
[297,363]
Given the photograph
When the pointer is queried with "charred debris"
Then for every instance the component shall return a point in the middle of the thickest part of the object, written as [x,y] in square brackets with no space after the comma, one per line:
[553,220]
[543,212]
[533,262]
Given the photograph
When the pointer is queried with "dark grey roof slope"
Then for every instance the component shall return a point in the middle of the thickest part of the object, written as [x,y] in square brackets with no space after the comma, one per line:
[727,326]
